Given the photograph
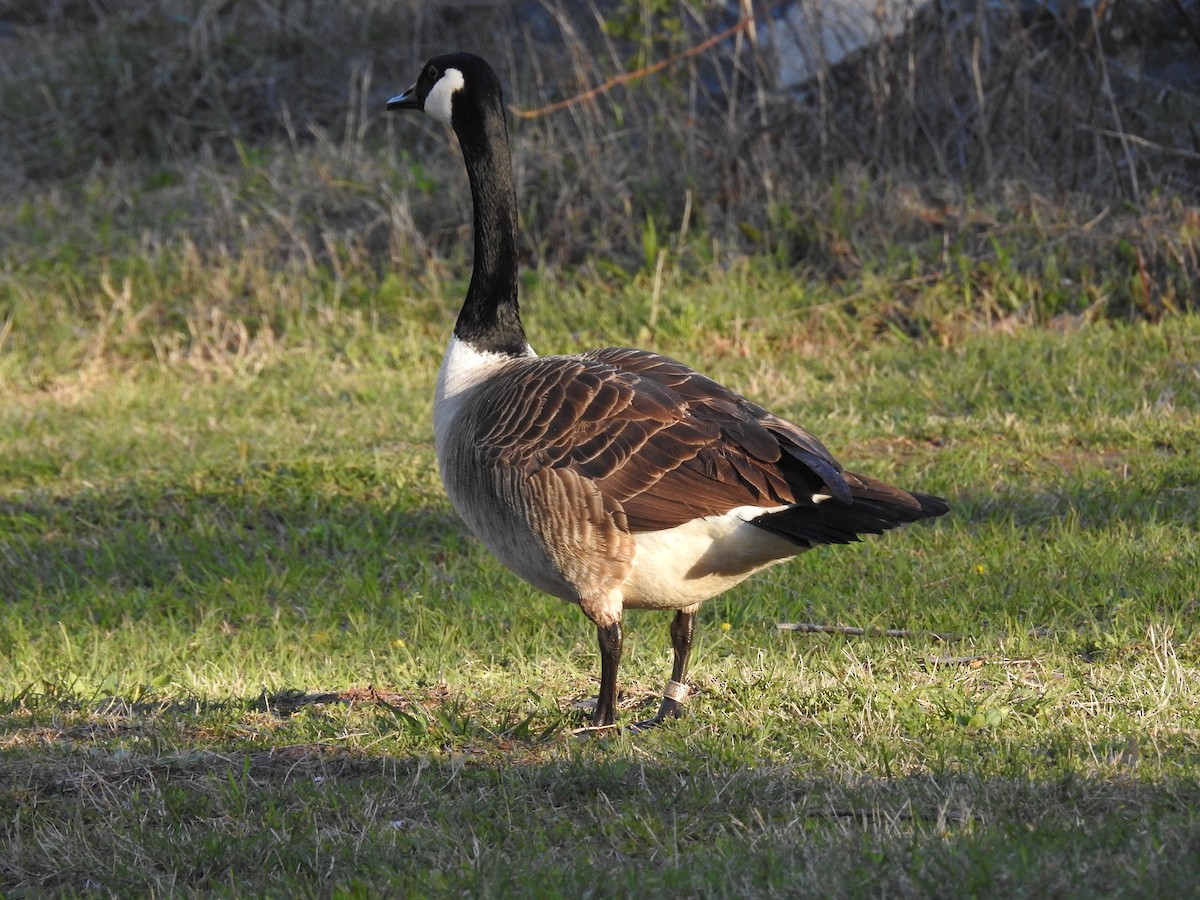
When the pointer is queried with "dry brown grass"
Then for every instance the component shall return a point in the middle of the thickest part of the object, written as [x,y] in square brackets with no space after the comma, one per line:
[1007,157]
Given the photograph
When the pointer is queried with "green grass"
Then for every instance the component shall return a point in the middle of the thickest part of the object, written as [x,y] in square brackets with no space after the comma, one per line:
[246,648]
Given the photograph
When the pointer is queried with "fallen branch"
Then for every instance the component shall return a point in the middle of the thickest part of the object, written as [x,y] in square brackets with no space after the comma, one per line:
[626,77]
[1142,142]
[812,628]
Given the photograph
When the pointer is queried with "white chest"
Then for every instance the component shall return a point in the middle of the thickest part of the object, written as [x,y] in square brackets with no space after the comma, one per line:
[464,370]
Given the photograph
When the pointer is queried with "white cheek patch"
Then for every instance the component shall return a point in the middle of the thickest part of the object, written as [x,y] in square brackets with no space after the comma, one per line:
[438,100]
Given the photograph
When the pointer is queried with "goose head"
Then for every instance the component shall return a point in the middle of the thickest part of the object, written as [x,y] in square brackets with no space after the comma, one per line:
[462,91]
[448,86]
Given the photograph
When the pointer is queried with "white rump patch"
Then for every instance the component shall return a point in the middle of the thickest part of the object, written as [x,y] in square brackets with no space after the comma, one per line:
[741,514]
[438,100]
[689,563]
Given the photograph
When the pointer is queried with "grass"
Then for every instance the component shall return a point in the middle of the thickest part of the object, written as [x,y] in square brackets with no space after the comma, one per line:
[247,649]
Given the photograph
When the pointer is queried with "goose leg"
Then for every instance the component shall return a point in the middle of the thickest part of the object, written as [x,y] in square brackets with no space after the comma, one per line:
[610,640]
[676,690]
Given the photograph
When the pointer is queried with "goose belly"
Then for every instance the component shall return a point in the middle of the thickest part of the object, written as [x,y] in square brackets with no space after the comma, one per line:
[500,525]
[685,565]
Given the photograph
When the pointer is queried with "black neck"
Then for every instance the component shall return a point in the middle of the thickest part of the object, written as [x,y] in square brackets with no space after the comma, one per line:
[490,319]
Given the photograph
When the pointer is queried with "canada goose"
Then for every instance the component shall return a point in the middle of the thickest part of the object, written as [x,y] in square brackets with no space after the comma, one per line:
[614,478]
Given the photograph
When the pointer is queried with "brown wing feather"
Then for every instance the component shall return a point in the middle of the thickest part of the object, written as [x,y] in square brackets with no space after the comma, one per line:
[663,441]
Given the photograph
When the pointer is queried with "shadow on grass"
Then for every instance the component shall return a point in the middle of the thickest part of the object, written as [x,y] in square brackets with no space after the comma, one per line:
[173,537]
[310,817]
[150,537]
[1170,495]
[483,801]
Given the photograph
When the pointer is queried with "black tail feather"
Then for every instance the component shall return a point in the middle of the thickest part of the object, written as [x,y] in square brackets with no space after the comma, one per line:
[875,507]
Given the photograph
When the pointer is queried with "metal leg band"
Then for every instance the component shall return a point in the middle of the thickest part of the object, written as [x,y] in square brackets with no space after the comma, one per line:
[675,691]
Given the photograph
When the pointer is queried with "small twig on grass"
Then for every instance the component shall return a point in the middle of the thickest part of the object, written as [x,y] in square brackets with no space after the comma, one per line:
[976,661]
[875,815]
[972,661]
[813,628]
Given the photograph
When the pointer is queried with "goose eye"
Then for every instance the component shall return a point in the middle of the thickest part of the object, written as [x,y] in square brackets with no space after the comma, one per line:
[432,74]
